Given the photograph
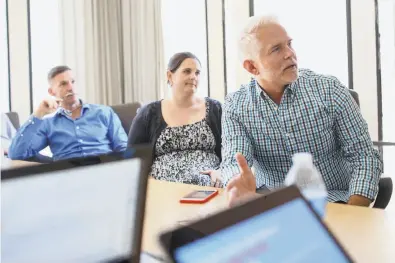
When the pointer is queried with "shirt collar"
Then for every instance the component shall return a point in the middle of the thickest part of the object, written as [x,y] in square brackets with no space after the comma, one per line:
[84,107]
[261,93]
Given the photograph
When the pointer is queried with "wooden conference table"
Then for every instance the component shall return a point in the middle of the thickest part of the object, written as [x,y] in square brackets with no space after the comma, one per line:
[367,234]
[8,163]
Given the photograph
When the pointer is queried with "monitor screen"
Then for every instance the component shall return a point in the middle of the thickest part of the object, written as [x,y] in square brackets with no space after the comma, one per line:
[83,214]
[287,233]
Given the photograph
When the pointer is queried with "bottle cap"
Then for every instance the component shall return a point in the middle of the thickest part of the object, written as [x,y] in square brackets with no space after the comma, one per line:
[302,158]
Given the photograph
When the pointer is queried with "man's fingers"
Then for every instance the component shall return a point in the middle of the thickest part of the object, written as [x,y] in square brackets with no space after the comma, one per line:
[243,164]
[232,183]
[206,172]
[232,197]
[217,184]
[53,105]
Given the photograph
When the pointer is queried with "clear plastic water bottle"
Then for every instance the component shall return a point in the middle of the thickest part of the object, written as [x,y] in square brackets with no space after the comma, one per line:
[309,180]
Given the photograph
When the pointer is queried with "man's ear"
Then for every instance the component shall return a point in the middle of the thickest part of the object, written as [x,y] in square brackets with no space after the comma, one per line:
[50,91]
[250,67]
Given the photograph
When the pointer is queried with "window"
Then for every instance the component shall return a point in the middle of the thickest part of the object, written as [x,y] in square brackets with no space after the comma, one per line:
[387,50]
[46,44]
[4,70]
[319,32]
[184,29]
[236,14]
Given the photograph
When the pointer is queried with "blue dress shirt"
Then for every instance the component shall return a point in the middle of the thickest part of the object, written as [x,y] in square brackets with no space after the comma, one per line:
[97,131]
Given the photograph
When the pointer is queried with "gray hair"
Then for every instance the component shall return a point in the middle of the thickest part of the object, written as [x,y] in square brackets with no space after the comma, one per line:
[248,43]
[56,71]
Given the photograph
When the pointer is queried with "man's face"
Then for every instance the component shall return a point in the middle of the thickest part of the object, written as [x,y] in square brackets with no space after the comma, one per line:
[276,62]
[62,87]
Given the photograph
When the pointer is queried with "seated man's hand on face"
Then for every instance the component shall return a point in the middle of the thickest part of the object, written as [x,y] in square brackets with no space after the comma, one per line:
[47,106]
[241,187]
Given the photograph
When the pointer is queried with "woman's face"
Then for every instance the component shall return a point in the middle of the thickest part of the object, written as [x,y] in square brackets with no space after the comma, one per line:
[185,79]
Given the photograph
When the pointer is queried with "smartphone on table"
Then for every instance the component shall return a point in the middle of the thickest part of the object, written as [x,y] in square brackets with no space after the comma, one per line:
[199,196]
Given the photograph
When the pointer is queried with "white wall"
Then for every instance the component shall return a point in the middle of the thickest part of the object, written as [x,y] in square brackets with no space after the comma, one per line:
[46,44]
[4,101]
[186,31]
[364,61]
[215,49]
[74,44]
[387,50]
[319,37]
[237,13]
[19,55]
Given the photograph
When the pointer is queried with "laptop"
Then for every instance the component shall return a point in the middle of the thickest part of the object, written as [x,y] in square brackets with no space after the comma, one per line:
[78,210]
[278,227]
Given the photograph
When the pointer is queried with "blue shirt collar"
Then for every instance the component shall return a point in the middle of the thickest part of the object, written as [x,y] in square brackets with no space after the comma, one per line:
[84,107]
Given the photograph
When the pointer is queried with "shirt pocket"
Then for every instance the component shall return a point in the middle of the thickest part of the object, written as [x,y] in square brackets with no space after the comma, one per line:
[313,130]
[265,136]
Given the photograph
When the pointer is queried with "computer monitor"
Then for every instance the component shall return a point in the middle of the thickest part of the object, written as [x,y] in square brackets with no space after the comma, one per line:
[279,227]
[80,210]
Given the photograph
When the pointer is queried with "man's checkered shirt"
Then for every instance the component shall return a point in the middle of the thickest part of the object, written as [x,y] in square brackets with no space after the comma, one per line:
[317,115]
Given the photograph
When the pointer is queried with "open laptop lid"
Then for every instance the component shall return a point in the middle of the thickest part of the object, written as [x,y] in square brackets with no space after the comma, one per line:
[79,210]
[278,227]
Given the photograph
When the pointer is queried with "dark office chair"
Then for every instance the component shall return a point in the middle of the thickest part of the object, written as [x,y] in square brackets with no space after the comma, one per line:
[126,113]
[385,184]
[14,119]
[39,158]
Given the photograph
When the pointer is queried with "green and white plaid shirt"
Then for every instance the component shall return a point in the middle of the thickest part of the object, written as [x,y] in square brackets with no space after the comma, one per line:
[317,115]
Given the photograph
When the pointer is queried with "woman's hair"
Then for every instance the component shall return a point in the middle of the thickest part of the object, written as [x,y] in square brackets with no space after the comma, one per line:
[176,60]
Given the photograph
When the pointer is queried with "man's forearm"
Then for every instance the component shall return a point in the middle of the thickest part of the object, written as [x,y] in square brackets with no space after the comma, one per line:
[21,145]
[359,200]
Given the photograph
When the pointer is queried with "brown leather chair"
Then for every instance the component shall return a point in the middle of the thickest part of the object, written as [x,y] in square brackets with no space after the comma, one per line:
[126,113]
[385,184]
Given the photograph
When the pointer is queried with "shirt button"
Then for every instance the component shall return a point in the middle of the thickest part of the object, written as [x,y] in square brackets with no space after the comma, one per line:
[32,122]
[80,140]
[21,135]
[78,127]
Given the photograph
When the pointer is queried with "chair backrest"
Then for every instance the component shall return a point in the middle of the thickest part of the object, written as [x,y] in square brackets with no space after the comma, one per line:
[385,183]
[126,113]
[384,194]
[355,96]
[14,118]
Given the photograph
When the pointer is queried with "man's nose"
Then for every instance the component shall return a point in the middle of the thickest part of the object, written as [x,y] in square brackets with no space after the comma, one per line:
[70,87]
[289,52]
[193,76]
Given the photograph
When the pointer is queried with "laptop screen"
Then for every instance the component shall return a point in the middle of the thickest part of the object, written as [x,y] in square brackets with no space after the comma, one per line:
[286,233]
[83,214]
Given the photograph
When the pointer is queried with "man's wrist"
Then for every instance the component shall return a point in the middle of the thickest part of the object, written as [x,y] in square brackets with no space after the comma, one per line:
[38,115]
[359,200]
